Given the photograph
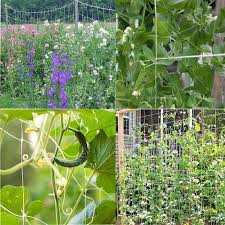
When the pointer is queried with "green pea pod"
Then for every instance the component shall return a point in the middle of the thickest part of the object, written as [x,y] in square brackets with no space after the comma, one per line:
[82,157]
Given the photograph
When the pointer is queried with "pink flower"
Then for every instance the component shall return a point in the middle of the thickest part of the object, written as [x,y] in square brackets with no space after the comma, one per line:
[10,59]
[1,63]
[14,28]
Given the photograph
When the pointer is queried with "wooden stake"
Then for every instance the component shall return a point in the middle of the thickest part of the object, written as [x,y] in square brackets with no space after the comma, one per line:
[121,148]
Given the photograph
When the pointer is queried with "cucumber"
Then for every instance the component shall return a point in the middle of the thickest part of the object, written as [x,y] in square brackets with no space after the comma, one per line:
[82,157]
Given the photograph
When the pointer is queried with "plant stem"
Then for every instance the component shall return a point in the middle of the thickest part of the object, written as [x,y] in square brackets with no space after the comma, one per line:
[79,199]
[63,130]
[15,168]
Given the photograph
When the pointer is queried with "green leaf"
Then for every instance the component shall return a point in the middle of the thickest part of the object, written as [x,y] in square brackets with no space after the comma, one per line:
[14,199]
[14,204]
[34,208]
[109,215]
[7,218]
[103,180]
[102,154]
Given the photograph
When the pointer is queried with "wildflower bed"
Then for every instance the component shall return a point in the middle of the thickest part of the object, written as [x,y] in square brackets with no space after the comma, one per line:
[58,65]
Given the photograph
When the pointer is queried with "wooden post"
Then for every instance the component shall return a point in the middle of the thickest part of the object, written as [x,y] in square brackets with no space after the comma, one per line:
[218,91]
[190,117]
[121,148]
[161,124]
[76,7]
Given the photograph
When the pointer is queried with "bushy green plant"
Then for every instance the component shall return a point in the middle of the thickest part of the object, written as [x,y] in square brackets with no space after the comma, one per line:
[177,178]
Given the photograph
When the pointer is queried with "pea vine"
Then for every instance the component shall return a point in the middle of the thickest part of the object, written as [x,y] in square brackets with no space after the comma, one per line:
[177,178]
[77,148]
[164,49]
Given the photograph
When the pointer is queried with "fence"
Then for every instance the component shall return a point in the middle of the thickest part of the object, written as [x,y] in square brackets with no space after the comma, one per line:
[163,152]
[74,12]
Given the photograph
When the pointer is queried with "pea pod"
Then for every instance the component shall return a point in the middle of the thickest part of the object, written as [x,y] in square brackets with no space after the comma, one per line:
[82,157]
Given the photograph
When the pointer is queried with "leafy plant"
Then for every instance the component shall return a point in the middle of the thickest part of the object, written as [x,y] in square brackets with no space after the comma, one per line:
[75,188]
[157,48]
[177,178]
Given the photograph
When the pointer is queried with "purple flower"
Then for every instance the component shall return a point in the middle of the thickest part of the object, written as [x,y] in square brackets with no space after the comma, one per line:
[31,66]
[29,74]
[64,99]
[30,55]
[61,74]
[56,59]
[52,104]
[60,77]
[51,92]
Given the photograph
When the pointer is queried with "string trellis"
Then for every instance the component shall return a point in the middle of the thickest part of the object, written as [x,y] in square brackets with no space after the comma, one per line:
[74,12]
[144,133]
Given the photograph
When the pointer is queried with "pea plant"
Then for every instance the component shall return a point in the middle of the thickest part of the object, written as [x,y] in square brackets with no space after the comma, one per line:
[177,178]
[169,53]
[57,167]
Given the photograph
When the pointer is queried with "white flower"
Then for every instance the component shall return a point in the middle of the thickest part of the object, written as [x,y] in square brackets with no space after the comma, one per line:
[46,56]
[68,27]
[23,27]
[80,73]
[175,152]
[46,45]
[46,23]
[82,49]
[211,18]
[95,23]
[56,47]
[200,61]
[136,93]
[80,25]
[95,72]
[103,31]
[195,180]
[110,77]
[90,98]
[67,35]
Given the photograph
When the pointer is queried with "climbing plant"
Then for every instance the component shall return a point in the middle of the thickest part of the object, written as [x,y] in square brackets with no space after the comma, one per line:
[169,53]
[176,176]
[62,168]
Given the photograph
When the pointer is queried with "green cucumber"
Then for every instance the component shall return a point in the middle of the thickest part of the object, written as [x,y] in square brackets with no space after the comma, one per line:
[82,157]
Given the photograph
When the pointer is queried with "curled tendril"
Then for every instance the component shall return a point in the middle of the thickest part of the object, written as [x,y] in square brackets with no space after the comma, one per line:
[25,157]
[68,211]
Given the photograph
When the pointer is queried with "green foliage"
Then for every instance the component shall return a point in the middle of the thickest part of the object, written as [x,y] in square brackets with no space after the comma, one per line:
[109,209]
[102,160]
[176,179]
[181,28]
[13,199]
[99,128]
